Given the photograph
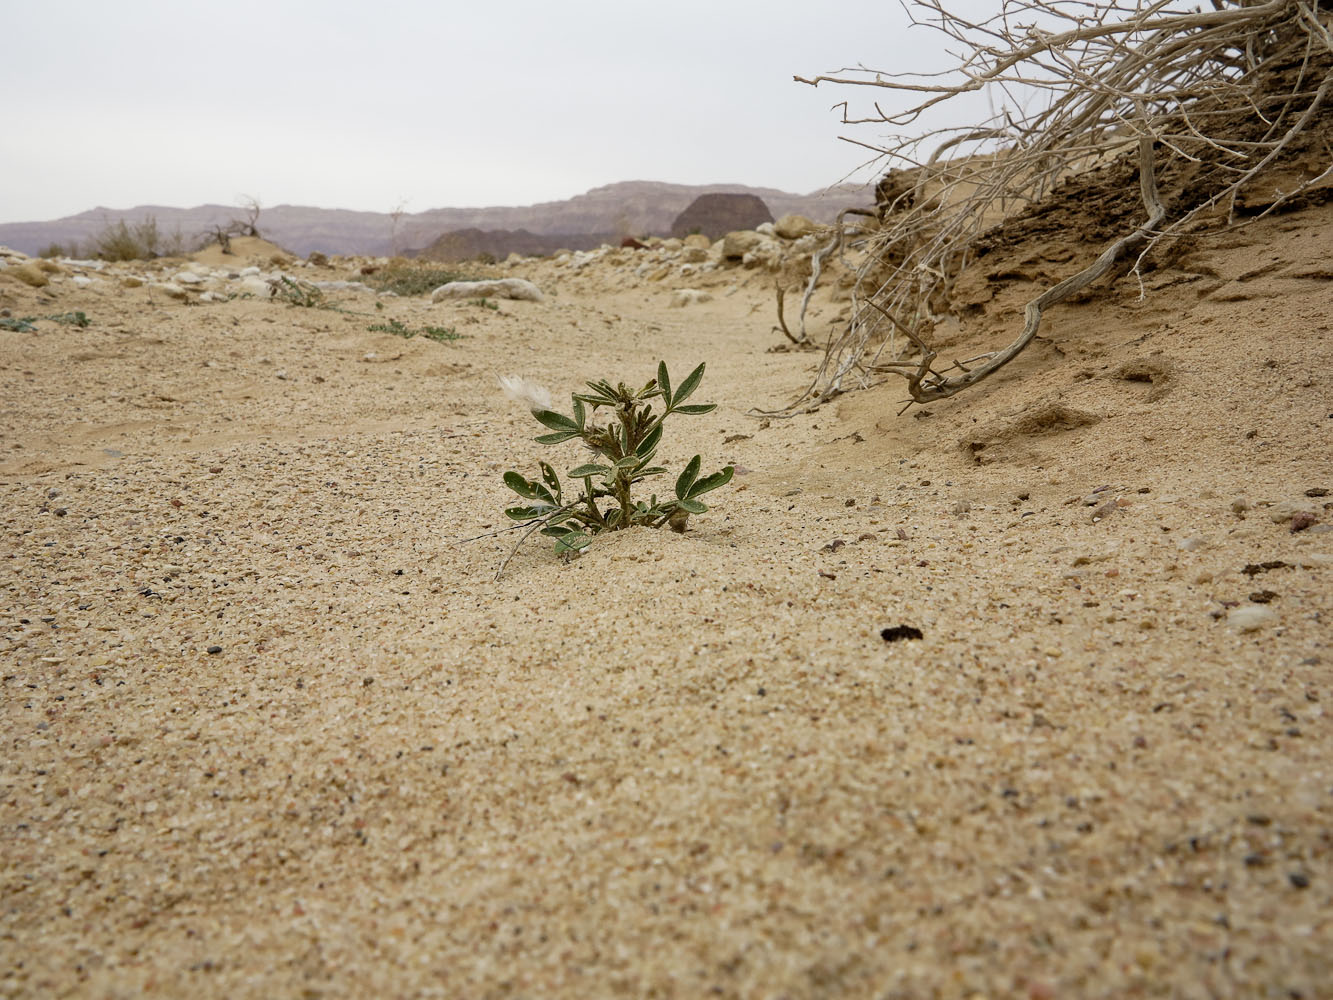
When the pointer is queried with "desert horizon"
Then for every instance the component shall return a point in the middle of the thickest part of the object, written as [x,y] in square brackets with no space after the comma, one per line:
[923,592]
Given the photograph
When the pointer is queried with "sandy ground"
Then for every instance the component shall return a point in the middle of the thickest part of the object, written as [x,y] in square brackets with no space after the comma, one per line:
[681,765]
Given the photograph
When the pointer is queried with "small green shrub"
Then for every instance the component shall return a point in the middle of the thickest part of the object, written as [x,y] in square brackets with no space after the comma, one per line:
[17,324]
[79,319]
[298,293]
[484,303]
[443,334]
[411,279]
[625,446]
[25,323]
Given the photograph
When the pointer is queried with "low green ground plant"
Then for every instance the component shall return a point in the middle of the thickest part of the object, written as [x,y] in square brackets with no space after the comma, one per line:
[411,278]
[609,495]
[442,334]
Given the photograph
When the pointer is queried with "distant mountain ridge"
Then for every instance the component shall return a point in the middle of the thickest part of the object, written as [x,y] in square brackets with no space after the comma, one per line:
[641,208]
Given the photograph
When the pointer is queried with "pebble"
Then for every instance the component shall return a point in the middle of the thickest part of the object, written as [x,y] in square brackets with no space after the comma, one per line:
[1240,505]
[1191,544]
[1251,617]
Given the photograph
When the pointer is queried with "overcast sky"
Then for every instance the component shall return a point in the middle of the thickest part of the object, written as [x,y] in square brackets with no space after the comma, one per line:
[369,105]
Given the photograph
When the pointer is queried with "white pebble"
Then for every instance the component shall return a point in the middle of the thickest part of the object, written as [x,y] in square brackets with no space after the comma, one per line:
[1251,617]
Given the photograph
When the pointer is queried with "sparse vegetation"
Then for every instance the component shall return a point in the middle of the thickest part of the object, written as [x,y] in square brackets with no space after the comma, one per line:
[484,303]
[404,277]
[624,447]
[25,324]
[1208,98]
[121,241]
[442,334]
[298,293]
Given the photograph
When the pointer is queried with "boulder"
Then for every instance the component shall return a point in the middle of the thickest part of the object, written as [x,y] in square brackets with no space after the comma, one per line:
[793,227]
[712,215]
[697,241]
[499,288]
[736,245]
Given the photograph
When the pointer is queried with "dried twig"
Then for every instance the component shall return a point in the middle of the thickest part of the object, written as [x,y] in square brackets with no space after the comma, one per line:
[1099,79]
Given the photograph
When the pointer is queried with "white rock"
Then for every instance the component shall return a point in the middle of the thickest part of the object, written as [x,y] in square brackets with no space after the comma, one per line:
[188,278]
[254,285]
[500,288]
[1250,617]
[689,297]
[248,271]
[168,289]
[766,228]
[1192,544]
[80,281]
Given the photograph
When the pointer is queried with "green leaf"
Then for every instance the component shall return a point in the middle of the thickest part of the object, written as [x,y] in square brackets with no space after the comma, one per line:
[555,421]
[712,482]
[551,480]
[689,385]
[579,414]
[557,530]
[655,470]
[687,478]
[555,438]
[628,462]
[571,542]
[696,408]
[520,485]
[526,513]
[693,506]
[664,383]
[583,471]
[649,443]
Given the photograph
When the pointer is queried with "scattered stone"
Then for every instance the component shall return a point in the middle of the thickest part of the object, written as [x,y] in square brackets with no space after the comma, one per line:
[1240,505]
[499,288]
[961,508]
[1287,509]
[897,633]
[689,297]
[1302,520]
[1251,617]
[189,278]
[736,245]
[793,227]
[170,290]
[1192,544]
[1316,491]
[214,650]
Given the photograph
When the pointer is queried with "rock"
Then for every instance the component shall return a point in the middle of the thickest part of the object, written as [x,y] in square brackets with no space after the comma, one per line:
[694,255]
[170,290]
[189,278]
[1192,544]
[81,281]
[1240,505]
[318,259]
[1288,509]
[254,285]
[697,241]
[1251,617]
[132,281]
[793,227]
[689,297]
[712,215]
[735,245]
[500,288]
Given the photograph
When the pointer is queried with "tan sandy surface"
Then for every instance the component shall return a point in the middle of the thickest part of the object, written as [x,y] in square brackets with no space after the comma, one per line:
[681,765]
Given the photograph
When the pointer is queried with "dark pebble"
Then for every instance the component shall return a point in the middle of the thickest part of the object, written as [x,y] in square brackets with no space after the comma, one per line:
[214,650]
[901,632]
[1299,879]
[1317,491]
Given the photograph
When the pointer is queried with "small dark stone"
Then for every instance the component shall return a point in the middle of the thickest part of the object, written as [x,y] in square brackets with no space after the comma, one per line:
[214,650]
[1299,880]
[901,632]
[1316,491]
[367,681]
[1263,596]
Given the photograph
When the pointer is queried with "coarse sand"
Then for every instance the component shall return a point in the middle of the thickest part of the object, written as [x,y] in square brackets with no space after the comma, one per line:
[273,729]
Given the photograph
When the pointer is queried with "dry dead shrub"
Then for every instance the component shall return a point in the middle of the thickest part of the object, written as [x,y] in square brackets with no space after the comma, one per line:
[1214,99]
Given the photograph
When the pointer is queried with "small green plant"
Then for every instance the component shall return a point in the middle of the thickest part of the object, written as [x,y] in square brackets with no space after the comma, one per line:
[484,303]
[79,319]
[443,334]
[624,447]
[25,323]
[298,293]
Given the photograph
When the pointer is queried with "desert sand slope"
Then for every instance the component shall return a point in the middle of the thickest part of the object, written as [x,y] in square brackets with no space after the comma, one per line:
[681,765]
